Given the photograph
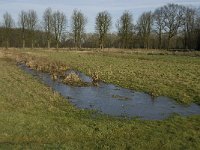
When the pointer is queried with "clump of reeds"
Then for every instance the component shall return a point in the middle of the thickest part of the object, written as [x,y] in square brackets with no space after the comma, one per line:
[54,76]
[95,78]
[57,70]
[72,79]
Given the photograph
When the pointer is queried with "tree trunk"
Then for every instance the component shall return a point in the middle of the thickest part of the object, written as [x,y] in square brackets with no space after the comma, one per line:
[160,41]
[189,40]
[185,40]
[57,45]
[79,45]
[123,43]
[7,44]
[168,43]
[23,43]
[48,44]
[147,42]
[101,44]
[32,44]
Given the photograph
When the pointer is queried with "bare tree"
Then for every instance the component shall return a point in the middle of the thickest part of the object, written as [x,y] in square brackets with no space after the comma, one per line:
[103,24]
[78,26]
[125,28]
[59,25]
[159,24]
[144,25]
[197,20]
[48,25]
[22,24]
[8,23]
[31,24]
[197,28]
[173,19]
[189,26]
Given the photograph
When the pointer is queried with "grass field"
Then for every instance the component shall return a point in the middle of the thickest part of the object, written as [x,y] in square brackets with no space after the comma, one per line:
[33,116]
[175,76]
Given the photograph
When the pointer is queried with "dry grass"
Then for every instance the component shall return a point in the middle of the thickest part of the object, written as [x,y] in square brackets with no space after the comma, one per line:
[71,78]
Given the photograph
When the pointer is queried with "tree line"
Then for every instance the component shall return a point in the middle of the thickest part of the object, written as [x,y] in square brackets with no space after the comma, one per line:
[171,26]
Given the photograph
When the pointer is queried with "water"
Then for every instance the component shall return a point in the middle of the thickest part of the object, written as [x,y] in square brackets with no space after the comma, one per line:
[114,100]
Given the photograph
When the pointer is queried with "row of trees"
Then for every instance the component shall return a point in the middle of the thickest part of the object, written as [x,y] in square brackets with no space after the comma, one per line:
[152,30]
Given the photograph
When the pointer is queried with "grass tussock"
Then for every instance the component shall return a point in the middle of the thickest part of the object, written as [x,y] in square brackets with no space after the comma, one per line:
[73,80]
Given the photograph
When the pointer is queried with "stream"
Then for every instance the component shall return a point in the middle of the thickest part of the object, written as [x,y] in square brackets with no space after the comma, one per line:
[114,100]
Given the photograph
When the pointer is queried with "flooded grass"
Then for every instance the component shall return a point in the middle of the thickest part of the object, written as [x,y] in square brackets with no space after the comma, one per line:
[32,116]
[174,76]
[105,99]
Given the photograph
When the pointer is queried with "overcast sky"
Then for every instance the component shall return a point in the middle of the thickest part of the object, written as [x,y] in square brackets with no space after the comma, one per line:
[89,7]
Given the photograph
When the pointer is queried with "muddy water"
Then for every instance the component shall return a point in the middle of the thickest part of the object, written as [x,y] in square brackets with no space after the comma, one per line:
[116,101]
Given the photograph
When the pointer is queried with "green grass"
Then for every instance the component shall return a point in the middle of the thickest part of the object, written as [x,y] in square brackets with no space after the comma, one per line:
[174,76]
[33,116]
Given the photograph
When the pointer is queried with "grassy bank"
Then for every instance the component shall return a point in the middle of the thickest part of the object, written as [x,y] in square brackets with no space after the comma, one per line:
[33,116]
[159,74]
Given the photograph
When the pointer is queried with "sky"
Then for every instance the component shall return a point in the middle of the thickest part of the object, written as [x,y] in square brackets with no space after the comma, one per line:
[89,7]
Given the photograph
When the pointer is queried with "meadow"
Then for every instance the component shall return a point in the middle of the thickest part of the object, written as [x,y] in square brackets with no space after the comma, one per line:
[33,116]
[158,73]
